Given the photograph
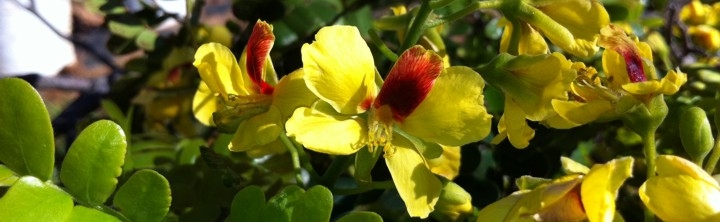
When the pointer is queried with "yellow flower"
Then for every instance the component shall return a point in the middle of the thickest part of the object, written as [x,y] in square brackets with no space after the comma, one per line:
[705,36]
[696,13]
[353,112]
[577,197]
[681,191]
[246,98]
[571,25]
[630,80]
[529,83]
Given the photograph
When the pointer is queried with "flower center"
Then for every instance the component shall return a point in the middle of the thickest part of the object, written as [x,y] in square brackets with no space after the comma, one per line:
[234,109]
[380,127]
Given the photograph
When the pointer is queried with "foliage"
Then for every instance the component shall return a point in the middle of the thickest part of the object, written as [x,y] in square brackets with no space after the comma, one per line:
[514,110]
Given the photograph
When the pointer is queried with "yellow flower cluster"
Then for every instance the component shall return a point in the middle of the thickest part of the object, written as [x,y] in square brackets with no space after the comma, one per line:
[703,22]
[338,104]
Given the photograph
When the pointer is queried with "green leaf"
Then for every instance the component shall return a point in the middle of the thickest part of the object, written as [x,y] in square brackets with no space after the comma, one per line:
[366,216]
[92,165]
[81,213]
[249,205]
[291,204]
[7,176]
[190,150]
[144,197]
[29,199]
[27,145]
[146,40]
[314,205]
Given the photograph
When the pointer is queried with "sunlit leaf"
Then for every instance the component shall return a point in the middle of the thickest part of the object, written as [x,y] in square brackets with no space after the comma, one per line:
[144,197]
[92,165]
[81,213]
[30,199]
[7,176]
[27,144]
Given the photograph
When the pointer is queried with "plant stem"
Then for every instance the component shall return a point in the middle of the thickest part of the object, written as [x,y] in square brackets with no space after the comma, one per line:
[375,38]
[650,154]
[305,161]
[714,156]
[336,168]
[467,11]
[417,27]
[366,188]
[295,157]
[513,47]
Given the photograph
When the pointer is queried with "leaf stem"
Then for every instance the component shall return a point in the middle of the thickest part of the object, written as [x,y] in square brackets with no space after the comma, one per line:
[375,38]
[417,26]
[337,167]
[295,157]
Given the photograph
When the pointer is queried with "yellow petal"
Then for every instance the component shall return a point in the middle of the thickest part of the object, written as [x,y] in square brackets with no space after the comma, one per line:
[680,198]
[291,93]
[463,122]
[518,131]
[219,69]
[204,104]
[258,130]
[503,209]
[582,113]
[600,188]
[532,90]
[339,68]
[573,16]
[672,81]
[323,130]
[418,187]
[531,42]
[561,200]
[447,164]
[570,166]
[669,165]
[642,88]
[271,148]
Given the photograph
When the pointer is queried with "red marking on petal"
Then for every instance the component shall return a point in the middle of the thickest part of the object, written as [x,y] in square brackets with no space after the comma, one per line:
[365,105]
[634,66]
[258,48]
[409,81]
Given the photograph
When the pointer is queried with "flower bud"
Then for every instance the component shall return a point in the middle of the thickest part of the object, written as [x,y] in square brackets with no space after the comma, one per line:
[454,204]
[695,133]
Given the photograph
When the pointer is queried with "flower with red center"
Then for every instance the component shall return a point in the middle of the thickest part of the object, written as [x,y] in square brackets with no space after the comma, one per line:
[629,80]
[420,102]
[246,98]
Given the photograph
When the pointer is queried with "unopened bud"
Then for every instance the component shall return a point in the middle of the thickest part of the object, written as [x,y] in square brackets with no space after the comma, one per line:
[695,133]
[454,204]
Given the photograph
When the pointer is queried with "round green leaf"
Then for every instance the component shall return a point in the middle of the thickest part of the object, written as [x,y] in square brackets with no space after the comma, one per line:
[366,216]
[80,213]
[26,138]
[249,205]
[94,161]
[314,205]
[144,197]
[29,199]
